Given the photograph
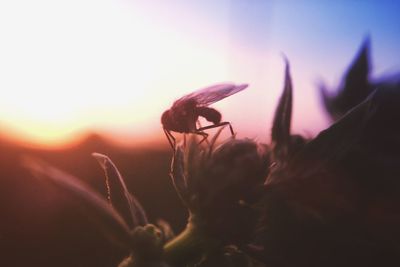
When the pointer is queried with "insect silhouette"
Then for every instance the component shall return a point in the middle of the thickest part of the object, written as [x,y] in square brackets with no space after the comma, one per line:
[183,116]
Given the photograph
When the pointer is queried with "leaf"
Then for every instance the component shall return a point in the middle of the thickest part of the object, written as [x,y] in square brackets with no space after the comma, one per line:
[110,221]
[118,194]
[339,196]
[355,86]
[282,119]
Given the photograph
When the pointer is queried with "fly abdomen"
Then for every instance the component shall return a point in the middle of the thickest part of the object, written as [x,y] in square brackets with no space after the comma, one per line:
[209,114]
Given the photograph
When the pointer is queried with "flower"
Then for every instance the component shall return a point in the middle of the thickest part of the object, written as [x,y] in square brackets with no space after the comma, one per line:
[220,188]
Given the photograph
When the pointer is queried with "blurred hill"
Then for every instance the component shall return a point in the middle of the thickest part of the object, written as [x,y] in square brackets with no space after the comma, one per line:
[39,227]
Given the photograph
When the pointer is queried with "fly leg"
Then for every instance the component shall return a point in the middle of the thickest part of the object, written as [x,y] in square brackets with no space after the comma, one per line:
[218,125]
[171,138]
[203,134]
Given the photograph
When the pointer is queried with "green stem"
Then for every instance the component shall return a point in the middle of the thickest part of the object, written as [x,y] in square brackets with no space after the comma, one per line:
[189,245]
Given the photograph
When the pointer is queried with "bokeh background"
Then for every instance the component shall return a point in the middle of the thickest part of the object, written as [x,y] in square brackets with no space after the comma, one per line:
[84,76]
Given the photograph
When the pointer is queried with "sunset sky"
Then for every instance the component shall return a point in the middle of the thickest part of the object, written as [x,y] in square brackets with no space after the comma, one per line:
[113,66]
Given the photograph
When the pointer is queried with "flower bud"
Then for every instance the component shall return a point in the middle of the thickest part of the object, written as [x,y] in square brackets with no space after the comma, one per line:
[221,186]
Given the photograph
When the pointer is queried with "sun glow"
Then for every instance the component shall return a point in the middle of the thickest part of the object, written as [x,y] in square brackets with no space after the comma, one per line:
[68,66]
[113,66]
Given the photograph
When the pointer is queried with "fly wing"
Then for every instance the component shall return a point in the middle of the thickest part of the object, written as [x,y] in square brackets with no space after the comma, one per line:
[209,95]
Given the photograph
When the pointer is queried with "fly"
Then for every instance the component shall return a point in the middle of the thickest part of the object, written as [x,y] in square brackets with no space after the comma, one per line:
[183,116]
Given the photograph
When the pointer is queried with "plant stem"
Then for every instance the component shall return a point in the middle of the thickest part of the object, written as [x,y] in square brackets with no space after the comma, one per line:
[190,245]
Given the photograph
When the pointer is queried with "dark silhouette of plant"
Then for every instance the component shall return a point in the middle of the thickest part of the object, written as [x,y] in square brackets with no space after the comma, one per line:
[124,223]
[335,201]
[356,84]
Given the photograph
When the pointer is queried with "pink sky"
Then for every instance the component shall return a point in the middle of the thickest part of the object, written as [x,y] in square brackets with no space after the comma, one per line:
[115,66]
